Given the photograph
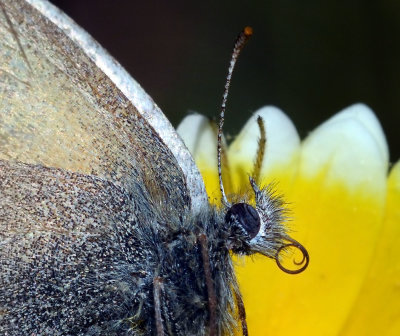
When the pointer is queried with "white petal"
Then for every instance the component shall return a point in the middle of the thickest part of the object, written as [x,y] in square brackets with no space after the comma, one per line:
[366,117]
[200,138]
[350,146]
[282,140]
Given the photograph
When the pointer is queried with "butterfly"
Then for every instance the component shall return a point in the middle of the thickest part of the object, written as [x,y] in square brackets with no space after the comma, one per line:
[105,225]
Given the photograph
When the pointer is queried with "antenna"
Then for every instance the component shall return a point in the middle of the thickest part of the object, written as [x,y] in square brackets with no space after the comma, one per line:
[239,44]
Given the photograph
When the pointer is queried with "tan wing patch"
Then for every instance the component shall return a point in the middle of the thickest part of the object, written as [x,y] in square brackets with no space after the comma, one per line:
[59,110]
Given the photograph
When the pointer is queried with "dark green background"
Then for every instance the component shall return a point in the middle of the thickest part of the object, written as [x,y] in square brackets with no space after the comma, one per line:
[310,58]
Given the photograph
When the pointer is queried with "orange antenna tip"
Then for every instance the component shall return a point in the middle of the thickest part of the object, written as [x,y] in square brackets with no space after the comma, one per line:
[248,31]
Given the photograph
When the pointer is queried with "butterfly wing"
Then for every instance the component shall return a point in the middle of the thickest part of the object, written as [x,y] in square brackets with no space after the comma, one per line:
[65,103]
[86,161]
[71,262]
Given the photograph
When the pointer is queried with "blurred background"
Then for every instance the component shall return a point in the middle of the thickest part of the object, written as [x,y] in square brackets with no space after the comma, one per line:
[309,58]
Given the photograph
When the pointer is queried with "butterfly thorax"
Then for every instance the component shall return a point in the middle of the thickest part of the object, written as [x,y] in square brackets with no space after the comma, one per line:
[180,266]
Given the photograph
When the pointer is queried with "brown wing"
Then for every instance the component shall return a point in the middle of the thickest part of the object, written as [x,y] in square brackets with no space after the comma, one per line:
[81,168]
[58,109]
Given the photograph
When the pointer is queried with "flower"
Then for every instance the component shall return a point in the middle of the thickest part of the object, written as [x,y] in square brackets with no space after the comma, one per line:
[345,209]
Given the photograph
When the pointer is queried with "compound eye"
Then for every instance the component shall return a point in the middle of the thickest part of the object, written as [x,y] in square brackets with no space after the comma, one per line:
[247,217]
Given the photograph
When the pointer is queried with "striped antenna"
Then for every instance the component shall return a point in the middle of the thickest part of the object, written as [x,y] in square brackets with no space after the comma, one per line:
[239,44]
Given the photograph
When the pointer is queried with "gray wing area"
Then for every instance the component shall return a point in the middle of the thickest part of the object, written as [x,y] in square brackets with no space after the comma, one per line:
[59,109]
[69,253]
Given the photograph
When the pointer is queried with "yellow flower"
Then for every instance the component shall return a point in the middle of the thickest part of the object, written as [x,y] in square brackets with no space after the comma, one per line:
[345,210]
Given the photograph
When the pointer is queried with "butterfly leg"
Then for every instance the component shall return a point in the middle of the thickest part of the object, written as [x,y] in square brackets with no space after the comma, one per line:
[242,313]
[212,298]
[157,286]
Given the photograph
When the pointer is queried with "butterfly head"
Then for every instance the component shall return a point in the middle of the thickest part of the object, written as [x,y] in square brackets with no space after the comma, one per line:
[262,228]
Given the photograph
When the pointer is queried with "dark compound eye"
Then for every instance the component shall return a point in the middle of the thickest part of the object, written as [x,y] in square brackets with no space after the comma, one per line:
[247,216]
